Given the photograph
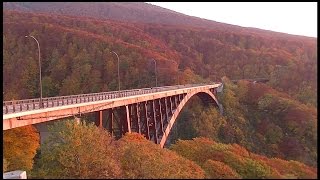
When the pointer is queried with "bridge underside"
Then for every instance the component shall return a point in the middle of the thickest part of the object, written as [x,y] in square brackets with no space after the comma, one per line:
[153,119]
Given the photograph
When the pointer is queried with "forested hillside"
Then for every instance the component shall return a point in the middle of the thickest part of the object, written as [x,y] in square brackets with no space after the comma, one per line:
[290,63]
[76,152]
[135,12]
[277,119]
[123,11]
[263,120]
[76,56]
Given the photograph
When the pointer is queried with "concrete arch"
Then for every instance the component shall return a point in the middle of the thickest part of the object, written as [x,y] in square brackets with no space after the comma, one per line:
[206,95]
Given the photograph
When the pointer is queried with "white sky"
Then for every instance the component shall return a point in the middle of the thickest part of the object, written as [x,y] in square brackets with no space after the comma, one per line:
[299,18]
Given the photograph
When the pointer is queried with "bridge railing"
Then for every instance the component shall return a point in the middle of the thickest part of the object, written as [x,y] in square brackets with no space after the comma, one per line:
[32,104]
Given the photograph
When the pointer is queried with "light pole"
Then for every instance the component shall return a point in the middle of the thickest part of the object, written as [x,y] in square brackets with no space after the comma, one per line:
[118,69]
[155,71]
[40,105]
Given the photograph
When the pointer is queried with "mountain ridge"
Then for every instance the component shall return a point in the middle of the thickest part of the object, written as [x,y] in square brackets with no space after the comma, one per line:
[133,12]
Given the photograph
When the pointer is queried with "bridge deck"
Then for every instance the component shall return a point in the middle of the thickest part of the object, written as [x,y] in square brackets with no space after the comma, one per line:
[26,112]
[33,104]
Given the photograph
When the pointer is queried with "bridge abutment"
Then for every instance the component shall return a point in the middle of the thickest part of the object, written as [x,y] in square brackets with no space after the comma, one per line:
[99,119]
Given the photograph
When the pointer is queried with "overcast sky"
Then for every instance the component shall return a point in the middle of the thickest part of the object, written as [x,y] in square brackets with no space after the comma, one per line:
[299,18]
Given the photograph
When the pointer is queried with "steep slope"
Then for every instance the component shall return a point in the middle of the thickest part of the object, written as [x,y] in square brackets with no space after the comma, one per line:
[255,116]
[233,161]
[123,11]
[73,48]
[289,63]
[133,12]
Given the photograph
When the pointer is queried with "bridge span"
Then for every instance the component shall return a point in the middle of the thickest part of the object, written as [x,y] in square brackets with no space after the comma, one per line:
[148,111]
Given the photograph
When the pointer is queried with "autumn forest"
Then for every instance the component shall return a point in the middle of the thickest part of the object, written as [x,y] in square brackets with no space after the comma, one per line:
[268,130]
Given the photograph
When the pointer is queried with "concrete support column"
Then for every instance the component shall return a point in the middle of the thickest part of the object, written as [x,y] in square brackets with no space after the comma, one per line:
[147,120]
[166,108]
[155,122]
[160,114]
[176,100]
[138,118]
[171,108]
[99,119]
[133,118]
[111,119]
[128,119]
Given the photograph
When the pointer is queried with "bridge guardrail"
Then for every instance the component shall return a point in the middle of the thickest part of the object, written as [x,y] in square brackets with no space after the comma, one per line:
[32,104]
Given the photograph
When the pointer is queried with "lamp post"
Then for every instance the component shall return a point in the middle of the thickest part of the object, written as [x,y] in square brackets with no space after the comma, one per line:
[155,71]
[40,105]
[118,69]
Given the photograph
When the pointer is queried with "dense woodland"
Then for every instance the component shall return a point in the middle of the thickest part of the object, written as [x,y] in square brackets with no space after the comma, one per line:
[263,120]
[276,120]
[76,152]
[76,59]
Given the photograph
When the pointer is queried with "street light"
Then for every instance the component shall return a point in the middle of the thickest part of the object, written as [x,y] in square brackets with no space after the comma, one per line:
[118,69]
[155,71]
[41,105]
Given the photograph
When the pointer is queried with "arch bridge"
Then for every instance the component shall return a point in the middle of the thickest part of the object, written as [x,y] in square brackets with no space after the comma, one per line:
[148,111]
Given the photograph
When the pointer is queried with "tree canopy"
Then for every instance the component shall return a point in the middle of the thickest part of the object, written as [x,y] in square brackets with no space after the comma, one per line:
[19,148]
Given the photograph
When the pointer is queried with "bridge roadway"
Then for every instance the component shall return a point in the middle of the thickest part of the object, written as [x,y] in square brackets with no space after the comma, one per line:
[154,106]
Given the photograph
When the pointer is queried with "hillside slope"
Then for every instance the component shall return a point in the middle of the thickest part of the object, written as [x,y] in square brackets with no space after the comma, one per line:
[289,63]
[134,12]
[120,11]
[233,161]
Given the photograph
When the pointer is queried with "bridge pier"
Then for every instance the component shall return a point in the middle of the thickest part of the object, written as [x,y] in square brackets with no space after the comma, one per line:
[122,121]
[147,129]
[138,118]
[161,115]
[111,120]
[154,123]
[99,119]
[128,119]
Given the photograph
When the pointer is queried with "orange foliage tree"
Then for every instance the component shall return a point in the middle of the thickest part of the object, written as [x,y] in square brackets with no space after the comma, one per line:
[219,170]
[234,161]
[141,158]
[19,147]
[75,150]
